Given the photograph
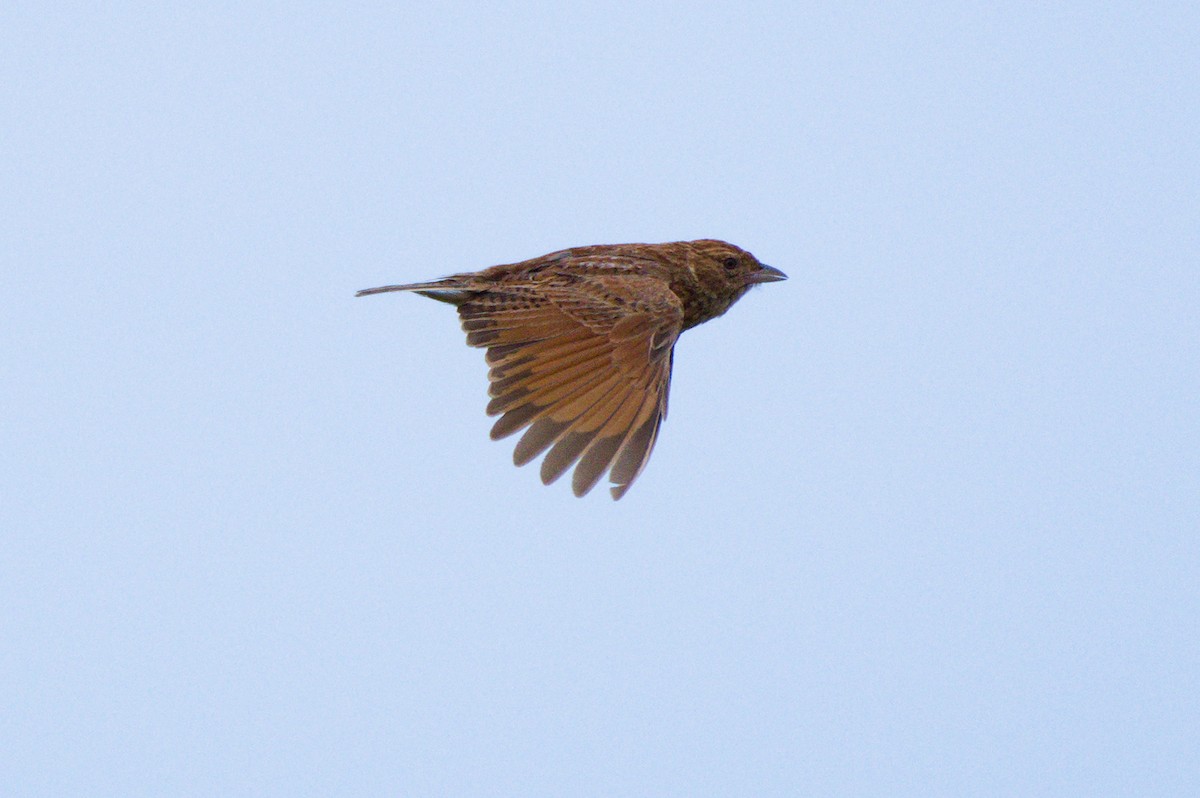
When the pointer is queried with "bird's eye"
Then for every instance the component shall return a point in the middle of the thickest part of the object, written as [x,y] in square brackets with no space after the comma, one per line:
[730,263]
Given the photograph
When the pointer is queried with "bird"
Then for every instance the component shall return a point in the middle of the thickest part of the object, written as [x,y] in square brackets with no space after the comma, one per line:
[580,345]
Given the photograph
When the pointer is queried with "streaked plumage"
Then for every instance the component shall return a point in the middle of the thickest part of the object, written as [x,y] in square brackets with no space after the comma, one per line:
[579,344]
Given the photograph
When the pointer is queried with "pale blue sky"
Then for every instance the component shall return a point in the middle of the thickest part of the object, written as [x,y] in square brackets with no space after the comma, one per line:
[923,520]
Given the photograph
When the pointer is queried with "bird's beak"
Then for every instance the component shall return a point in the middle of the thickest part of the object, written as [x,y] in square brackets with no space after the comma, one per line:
[766,274]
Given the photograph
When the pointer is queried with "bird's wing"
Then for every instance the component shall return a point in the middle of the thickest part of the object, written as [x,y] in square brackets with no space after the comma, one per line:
[585,363]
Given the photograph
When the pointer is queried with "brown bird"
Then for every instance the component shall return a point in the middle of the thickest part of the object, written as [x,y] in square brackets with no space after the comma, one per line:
[580,344]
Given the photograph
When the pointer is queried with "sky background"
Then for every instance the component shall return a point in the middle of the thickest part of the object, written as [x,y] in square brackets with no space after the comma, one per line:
[923,519]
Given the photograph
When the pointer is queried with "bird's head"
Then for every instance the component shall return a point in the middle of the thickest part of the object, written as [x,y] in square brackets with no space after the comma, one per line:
[723,272]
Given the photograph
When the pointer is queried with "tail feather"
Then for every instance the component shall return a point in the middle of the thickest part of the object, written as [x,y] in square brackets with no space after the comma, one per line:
[441,290]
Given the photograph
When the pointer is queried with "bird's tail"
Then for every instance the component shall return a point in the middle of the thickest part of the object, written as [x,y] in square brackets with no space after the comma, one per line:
[448,290]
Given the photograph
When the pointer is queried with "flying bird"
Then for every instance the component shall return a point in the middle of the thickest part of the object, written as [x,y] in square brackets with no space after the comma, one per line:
[580,344]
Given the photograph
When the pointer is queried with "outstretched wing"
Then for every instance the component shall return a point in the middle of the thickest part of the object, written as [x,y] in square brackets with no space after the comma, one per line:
[585,364]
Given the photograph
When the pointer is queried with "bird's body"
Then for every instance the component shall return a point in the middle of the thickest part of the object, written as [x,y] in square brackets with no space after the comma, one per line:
[580,341]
